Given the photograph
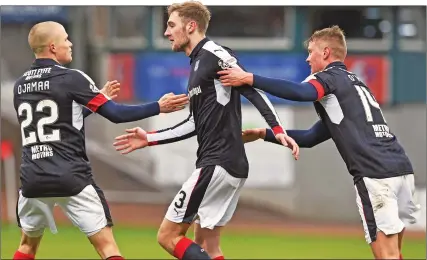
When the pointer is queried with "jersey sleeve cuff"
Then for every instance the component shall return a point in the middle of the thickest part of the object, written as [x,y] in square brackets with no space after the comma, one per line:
[278,130]
[150,140]
[269,136]
[151,137]
[319,88]
[96,102]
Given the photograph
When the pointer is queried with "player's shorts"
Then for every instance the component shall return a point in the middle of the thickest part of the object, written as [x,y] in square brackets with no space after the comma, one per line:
[87,210]
[386,204]
[210,195]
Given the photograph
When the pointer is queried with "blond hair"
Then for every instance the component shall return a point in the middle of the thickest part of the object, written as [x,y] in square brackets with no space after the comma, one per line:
[41,34]
[192,10]
[335,38]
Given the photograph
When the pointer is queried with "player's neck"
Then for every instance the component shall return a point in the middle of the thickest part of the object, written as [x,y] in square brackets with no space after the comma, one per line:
[46,56]
[193,43]
[332,61]
[328,62]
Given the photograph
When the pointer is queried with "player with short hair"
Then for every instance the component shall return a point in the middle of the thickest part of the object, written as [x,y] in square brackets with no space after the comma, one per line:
[51,102]
[350,115]
[211,193]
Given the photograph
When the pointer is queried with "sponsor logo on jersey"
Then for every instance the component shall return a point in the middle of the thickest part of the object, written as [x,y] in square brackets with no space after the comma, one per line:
[195,91]
[41,151]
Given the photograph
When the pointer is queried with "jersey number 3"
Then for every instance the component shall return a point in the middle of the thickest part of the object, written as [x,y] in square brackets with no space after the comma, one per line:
[367,101]
[43,137]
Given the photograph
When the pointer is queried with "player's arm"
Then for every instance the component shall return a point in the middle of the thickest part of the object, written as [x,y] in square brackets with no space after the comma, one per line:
[317,134]
[287,89]
[264,106]
[181,131]
[312,89]
[137,138]
[83,90]
[260,101]
[110,89]
[86,112]
[255,96]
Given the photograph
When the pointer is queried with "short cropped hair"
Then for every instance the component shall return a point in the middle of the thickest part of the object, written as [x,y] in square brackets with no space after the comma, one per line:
[192,10]
[335,36]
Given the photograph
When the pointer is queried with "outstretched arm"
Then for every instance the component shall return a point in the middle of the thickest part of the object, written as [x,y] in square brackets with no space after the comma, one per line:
[257,97]
[317,134]
[137,138]
[118,113]
[181,131]
[310,90]
[83,90]
[266,109]
[264,106]
[286,89]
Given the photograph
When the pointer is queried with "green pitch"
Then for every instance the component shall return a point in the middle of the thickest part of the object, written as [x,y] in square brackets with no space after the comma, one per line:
[139,243]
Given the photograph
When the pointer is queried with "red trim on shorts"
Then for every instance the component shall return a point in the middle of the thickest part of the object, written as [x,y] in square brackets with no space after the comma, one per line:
[96,102]
[319,88]
[277,130]
[181,247]
[221,257]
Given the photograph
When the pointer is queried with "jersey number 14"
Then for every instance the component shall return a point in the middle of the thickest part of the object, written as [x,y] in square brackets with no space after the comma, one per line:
[368,100]
[43,137]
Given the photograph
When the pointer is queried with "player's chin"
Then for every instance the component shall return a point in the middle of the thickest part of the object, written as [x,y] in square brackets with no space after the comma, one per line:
[176,48]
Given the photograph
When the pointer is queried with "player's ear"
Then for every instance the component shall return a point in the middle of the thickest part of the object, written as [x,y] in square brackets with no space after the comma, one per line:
[326,52]
[191,27]
[52,47]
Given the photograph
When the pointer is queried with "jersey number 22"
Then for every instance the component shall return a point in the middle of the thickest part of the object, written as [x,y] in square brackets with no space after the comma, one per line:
[43,137]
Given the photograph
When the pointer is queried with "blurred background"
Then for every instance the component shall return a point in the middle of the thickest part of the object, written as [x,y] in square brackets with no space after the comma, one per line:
[315,195]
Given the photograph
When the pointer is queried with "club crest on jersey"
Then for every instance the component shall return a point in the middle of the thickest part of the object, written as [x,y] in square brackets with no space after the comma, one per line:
[226,64]
[94,88]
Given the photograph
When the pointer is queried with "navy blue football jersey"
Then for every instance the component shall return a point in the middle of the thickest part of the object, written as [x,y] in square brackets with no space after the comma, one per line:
[49,100]
[357,125]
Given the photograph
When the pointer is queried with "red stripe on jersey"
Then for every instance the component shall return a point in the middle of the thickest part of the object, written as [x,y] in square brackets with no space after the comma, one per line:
[319,88]
[96,102]
[277,130]
[152,143]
